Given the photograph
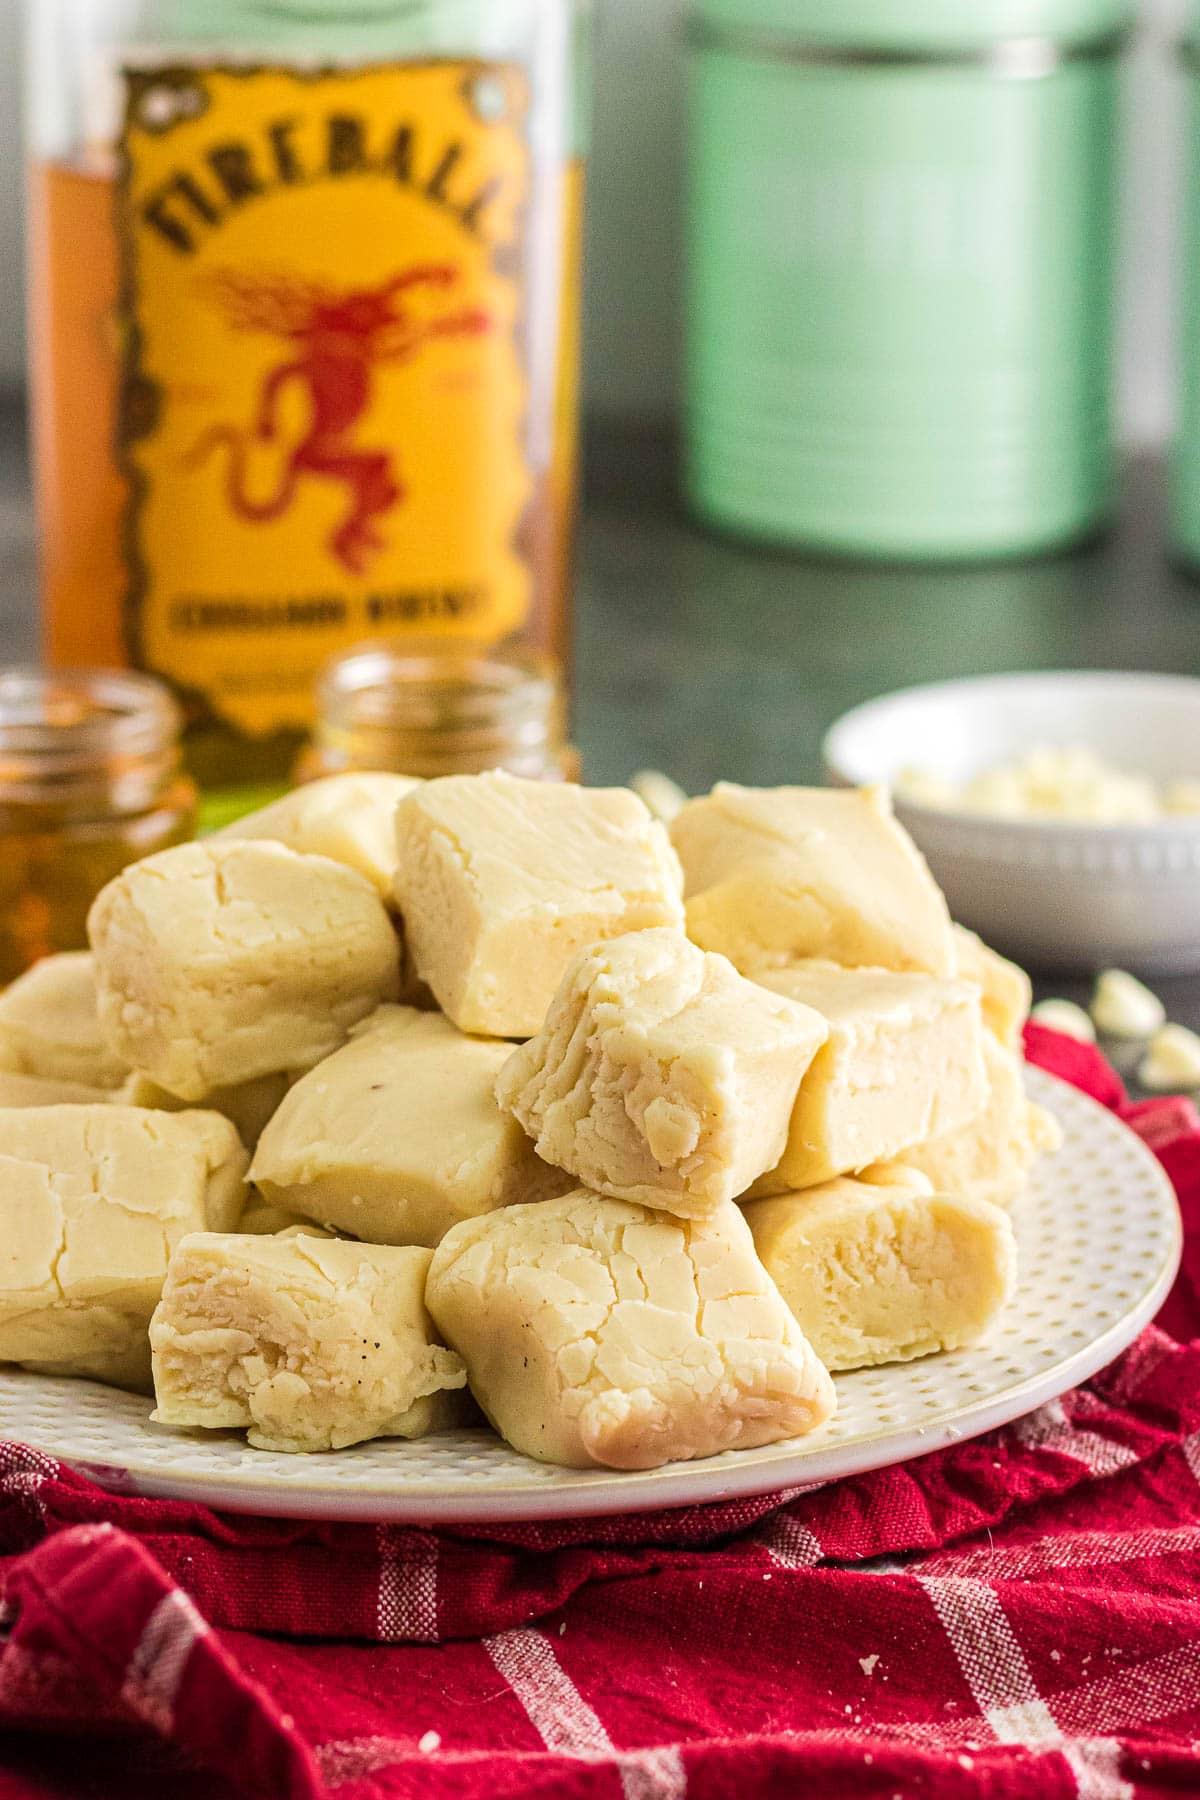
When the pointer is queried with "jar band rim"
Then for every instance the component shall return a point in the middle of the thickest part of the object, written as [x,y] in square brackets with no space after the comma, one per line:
[1013,59]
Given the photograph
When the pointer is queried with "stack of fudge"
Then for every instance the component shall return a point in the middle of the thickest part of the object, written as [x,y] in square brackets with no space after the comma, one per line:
[400,1098]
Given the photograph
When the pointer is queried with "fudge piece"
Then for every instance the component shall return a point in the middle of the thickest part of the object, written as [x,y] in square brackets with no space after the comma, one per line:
[773,875]
[501,881]
[93,1199]
[351,818]
[220,962]
[599,1332]
[880,1273]
[903,1062]
[261,1219]
[990,1157]
[50,1024]
[399,1135]
[248,1106]
[308,1343]
[1007,990]
[17,1089]
[661,1075]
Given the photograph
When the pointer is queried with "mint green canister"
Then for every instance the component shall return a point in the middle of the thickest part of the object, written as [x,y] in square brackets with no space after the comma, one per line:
[900,282]
[1185,467]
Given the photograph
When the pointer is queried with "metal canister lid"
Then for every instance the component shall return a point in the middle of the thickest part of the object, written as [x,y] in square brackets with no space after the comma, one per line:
[919,27]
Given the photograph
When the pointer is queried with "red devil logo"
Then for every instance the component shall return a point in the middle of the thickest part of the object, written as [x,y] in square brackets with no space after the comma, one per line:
[338,340]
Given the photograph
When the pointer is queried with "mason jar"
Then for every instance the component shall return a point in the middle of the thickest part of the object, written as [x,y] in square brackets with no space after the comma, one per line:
[900,278]
[414,709]
[90,781]
[305,307]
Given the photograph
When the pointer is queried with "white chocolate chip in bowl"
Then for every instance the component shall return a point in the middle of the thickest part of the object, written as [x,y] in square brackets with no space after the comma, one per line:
[1050,892]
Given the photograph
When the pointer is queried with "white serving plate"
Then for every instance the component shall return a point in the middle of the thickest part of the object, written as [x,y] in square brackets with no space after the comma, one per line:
[1053,895]
[1100,1240]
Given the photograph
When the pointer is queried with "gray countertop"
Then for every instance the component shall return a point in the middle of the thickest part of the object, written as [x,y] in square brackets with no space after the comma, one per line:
[712,659]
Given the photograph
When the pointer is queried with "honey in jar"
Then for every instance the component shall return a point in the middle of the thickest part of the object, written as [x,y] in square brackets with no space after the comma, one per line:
[90,781]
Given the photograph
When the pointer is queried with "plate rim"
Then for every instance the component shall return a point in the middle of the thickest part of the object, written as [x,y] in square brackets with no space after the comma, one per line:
[608,1493]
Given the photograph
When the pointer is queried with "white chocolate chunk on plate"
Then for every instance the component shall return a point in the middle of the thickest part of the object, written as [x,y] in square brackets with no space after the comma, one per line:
[989,1158]
[1172,1063]
[1006,988]
[50,1024]
[1065,1016]
[904,1061]
[775,875]
[877,1273]
[597,1332]
[92,1201]
[399,1135]
[1124,1007]
[306,1343]
[350,818]
[500,883]
[223,961]
[661,1075]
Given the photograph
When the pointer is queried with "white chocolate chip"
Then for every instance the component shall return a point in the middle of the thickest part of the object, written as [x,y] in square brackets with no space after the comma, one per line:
[1182,797]
[1172,1063]
[1065,1016]
[1124,1007]
[659,793]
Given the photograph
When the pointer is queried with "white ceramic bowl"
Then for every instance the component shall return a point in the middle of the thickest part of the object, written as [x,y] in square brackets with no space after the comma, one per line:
[1054,895]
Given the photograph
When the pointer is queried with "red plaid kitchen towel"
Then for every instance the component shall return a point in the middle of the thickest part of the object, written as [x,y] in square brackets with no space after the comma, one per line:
[1016,1616]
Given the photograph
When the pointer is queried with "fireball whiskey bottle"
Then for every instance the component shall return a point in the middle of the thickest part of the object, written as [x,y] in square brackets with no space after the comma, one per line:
[305,301]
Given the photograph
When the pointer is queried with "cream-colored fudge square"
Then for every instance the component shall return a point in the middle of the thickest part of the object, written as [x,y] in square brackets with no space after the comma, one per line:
[884,1273]
[599,1332]
[661,1075]
[774,875]
[903,1062]
[501,881]
[17,1090]
[220,962]
[399,1135]
[991,1156]
[1006,988]
[93,1200]
[307,1343]
[248,1106]
[350,818]
[50,1024]
[261,1219]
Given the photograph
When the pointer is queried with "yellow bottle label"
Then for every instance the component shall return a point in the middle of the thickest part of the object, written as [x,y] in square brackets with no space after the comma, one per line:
[324,407]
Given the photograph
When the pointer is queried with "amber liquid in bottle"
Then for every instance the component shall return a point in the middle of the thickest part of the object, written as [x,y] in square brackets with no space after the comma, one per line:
[82,494]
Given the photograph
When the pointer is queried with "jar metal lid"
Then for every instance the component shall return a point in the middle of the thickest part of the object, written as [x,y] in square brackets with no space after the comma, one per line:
[80,731]
[930,29]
